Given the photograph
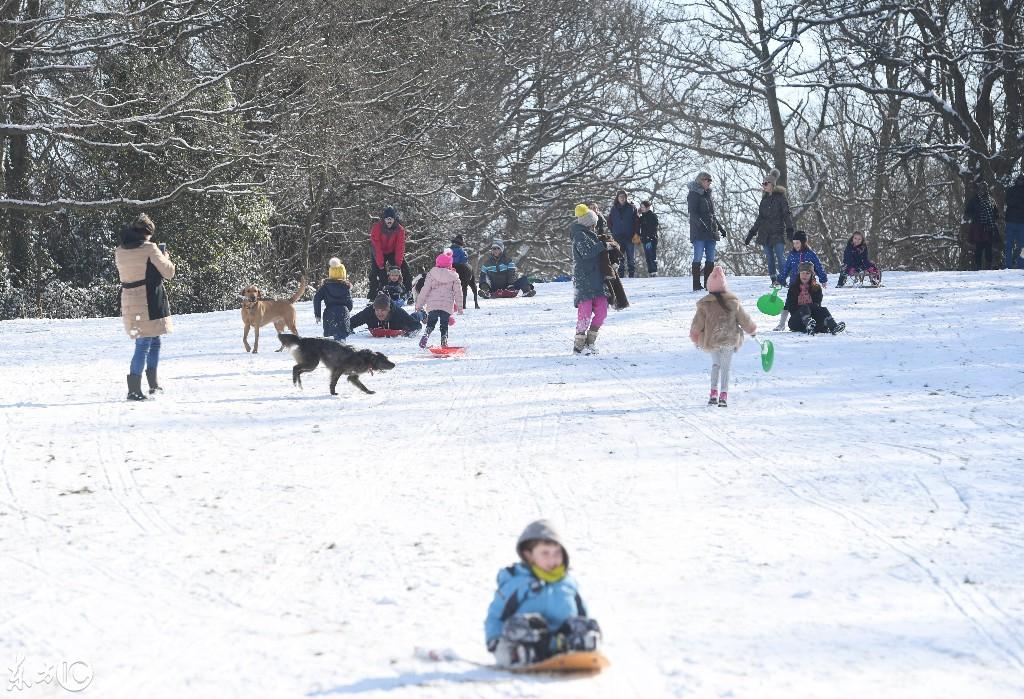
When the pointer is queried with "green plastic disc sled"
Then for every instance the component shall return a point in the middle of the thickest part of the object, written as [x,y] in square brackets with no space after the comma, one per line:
[767,354]
[771,304]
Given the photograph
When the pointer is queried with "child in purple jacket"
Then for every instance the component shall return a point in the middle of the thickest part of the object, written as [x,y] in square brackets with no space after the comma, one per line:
[856,261]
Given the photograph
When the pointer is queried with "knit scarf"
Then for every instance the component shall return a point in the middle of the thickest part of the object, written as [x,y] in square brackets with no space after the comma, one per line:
[804,296]
[549,576]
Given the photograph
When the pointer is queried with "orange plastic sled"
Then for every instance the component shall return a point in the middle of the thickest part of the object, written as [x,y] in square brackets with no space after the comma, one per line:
[578,661]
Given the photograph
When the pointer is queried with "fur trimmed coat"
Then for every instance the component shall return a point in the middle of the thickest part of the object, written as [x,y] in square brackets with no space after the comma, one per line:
[144,308]
[715,327]
[774,220]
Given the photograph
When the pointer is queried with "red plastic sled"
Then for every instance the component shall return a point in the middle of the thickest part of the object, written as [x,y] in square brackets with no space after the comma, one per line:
[386,332]
[505,293]
[447,351]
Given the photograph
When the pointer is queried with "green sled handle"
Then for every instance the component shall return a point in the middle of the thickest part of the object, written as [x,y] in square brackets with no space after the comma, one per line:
[767,353]
[771,304]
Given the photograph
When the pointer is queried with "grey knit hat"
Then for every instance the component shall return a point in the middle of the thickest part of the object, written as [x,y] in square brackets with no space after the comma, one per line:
[773,177]
[588,219]
[541,530]
[805,267]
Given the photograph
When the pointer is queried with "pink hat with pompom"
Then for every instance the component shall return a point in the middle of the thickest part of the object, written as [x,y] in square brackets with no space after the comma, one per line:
[716,281]
[444,259]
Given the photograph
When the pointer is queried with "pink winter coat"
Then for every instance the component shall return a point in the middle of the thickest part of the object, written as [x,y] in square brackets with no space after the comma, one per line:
[442,291]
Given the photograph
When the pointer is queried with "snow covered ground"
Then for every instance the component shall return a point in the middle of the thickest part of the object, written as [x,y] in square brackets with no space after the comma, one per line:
[849,527]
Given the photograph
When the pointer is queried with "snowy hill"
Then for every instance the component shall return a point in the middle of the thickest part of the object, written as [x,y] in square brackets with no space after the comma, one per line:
[849,527]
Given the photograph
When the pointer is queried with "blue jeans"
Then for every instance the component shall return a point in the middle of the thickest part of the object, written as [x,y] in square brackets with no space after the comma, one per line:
[706,249]
[627,263]
[1014,246]
[774,255]
[147,354]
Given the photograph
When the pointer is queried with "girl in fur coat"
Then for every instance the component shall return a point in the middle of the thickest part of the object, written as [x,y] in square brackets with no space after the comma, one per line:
[716,329]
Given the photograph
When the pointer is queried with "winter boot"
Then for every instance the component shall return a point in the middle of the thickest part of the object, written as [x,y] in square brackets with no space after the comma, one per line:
[722,398]
[707,273]
[444,340]
[591,340]
[695,268]
[653,274]
[423,340]
[809,325]
[834,327]
[782,321]
[842,279]
[532,291]
[135,387]
[151,380]
[579,342]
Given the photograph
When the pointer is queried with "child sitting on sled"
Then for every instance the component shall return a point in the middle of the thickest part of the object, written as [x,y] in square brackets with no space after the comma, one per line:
[717,329]
[803,305]
[857,262]
[537,611]
[394,288]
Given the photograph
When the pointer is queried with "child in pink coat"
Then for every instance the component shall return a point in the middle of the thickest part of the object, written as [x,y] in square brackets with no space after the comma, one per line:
[442,291]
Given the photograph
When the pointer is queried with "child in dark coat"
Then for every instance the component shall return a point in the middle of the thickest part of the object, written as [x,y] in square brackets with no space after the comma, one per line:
[537,610]
[336,294]
[394,288]
[856,261]
[803,305]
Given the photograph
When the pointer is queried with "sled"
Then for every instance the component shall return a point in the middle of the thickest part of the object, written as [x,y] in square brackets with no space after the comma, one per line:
[771,304]
[386,332]
[504,293]
[767,354]
[447,351]
[590,661]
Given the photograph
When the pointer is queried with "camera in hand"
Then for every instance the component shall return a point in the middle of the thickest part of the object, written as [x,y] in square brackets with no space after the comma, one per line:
[162,246]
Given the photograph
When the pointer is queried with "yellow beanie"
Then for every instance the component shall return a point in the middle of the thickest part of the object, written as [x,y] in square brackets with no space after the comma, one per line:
[337,270]
[581,210]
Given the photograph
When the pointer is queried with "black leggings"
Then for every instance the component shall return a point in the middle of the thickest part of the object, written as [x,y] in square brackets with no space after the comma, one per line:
[432,319]
[819,313]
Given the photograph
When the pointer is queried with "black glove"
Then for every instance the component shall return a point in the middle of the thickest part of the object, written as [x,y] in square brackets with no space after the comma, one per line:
[750,236]
[492,644]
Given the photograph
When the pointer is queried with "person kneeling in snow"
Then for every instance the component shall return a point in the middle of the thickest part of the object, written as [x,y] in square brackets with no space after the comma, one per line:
[716,329]
[537,611]
[803,305]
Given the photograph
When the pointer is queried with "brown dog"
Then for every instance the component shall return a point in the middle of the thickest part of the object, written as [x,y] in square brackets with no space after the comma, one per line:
[257,312]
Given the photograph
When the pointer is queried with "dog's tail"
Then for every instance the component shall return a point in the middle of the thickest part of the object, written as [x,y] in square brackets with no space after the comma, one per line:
[288,340]
[302,289]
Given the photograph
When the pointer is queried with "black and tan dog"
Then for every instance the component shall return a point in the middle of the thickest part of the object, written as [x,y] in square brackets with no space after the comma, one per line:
[341,359]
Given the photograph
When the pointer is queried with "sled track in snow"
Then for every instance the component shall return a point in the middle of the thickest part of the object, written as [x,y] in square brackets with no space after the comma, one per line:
[978,608]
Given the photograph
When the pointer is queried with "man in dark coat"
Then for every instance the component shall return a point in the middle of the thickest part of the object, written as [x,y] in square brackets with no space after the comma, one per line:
[1013,258]
[649,237]
[703,227]
[624,222]
[384,314]
[774,224]
[982,214]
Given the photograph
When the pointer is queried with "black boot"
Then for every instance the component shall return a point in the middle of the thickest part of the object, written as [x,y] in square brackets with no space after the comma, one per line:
[707,273]
[135,387]
[842,280]
[151,380]
[695,268]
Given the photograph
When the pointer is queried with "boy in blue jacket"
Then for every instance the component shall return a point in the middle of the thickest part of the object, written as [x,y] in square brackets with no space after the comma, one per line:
[801,253]
[537,610]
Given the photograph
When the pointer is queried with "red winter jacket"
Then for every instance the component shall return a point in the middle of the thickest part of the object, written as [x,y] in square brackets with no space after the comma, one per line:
[387,242]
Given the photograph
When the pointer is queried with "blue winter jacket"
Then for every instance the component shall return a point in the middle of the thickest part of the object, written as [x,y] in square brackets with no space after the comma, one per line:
[497,272]
[624,221]
[333,292]
[459,256]
[856,257]
[586,268]
[793,260]
[521,592]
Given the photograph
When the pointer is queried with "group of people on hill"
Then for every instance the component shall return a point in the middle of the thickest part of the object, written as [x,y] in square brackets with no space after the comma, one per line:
[981,215]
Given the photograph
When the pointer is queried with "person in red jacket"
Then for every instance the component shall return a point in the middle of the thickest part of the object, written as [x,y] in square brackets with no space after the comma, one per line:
[387,240]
